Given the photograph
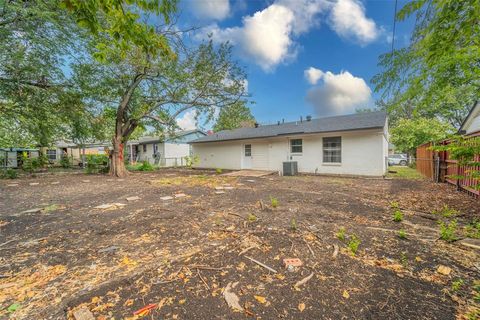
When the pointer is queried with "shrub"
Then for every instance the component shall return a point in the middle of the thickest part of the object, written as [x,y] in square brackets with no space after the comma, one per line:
[353,244]
[191,160]
[402,234]
[448,230]
[341,234]
[32,164]
[274,202]
[397,216]
[146,166]
[218,171]
[97,163]
[65,162]
[8,173]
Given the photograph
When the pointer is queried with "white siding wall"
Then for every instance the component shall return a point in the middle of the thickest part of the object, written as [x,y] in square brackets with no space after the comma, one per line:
[223,155]
[363,153]
[176,150]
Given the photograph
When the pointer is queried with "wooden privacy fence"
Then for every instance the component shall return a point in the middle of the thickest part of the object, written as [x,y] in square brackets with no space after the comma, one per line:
[438,166]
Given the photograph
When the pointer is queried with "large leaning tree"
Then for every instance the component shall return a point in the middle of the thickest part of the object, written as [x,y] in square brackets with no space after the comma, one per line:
[154,90]
[438,74]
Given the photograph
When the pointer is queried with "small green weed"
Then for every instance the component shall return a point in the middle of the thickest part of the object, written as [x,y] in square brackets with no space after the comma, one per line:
[353,244]
[476,289]
[8,173]
[446,212]
[218,171]
[293,224]
[472,230]
[402,234]
[341,234]
[448,230]
[394,205]
[274,202]
[404,259]
[457,285]
[397,215]
[252,218]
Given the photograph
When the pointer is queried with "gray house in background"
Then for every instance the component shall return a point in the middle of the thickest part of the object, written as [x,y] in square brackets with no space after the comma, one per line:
[167,151]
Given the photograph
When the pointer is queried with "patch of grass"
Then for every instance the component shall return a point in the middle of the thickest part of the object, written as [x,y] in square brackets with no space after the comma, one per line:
[293,224]
[218,171]
[8,173]
[144,166]
[353,244]
[404,259]
[274,202]
[448,230]
[402,234]
[397,216]
[457,285]
[50,208]
[476,289]
[446,212]
[252,218]
[394,205]
[472,230]
[404,173]
[341,234]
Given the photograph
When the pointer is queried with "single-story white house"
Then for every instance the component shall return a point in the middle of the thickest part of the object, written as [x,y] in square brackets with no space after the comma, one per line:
[166,151]
[355,144]
[471,124]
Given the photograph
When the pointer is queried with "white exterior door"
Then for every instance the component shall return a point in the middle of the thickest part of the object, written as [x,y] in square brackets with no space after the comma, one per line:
[247,156]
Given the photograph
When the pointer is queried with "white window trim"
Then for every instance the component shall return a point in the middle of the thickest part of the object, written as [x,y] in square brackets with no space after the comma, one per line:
[335,164]
[290,146]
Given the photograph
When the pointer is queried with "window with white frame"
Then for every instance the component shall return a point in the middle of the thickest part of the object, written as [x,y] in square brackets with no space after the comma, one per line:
[248,150]
[332,149]
[296,146]
[52,154]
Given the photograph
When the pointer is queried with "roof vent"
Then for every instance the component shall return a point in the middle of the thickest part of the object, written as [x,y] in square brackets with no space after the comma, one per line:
[309,118]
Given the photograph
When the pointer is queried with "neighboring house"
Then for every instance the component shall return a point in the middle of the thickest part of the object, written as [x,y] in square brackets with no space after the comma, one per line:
[471,124]
[354,144]
[74,151]
[13,157]
[166,151]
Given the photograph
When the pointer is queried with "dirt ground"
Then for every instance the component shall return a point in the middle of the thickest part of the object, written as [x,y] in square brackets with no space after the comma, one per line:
[186,257]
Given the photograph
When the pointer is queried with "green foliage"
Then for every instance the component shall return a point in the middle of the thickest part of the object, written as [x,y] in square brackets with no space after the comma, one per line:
[66,162]
[234,116]
[397,215]
[353,244]
[446,212]
[408,134]
[437,74]
[97,163]
[293,224]
[472,230]
[448,230]
[404,259]
[146,166]
[476,289]
[402,172]
[273,202]
[33,164]
[402,234]
[457,284]
[218,171]
[8,173]
[191,160]
[394,205]
[341,234]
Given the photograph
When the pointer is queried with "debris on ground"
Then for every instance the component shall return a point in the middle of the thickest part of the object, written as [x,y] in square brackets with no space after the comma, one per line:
[231,298]
[134,198]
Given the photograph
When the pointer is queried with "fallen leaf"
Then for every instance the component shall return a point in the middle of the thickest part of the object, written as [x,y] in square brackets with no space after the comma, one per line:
[346,295]
[260,299]
[301,307]
[182,301]
[444,270]
[231,298]
[128,303]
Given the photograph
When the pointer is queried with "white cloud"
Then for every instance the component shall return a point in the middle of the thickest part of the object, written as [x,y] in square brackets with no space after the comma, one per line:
[313,75]
[339,93]
[267,36]
[210,9]
[348,20]
[188,121]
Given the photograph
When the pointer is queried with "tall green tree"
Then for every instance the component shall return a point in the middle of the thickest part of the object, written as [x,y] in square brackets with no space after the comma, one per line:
[438,74]
[408,134]
[234,116]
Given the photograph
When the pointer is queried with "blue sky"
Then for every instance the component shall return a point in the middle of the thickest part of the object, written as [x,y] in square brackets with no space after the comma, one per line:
[303,57]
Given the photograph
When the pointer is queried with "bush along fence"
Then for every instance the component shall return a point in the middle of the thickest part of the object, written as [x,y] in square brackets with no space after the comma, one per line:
[455,161]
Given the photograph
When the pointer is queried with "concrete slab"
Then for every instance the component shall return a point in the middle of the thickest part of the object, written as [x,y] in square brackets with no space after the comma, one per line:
[134,198]
[179,195]
[219,192]
[166,198]
[249,173]
[34,183]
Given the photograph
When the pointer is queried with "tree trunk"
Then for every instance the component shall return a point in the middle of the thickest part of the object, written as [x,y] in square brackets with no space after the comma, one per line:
[117,164]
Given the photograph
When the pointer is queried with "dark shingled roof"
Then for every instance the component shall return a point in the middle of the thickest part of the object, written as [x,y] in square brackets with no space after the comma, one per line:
[358,121]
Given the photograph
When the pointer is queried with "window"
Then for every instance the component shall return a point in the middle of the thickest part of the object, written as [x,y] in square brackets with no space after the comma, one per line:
[52,155]
[296,146]
[144,148]
[248,150]
[332,150]
[155,148]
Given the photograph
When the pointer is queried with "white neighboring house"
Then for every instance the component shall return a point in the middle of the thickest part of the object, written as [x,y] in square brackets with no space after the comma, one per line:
[471,124]
[354,144]
[168,151]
